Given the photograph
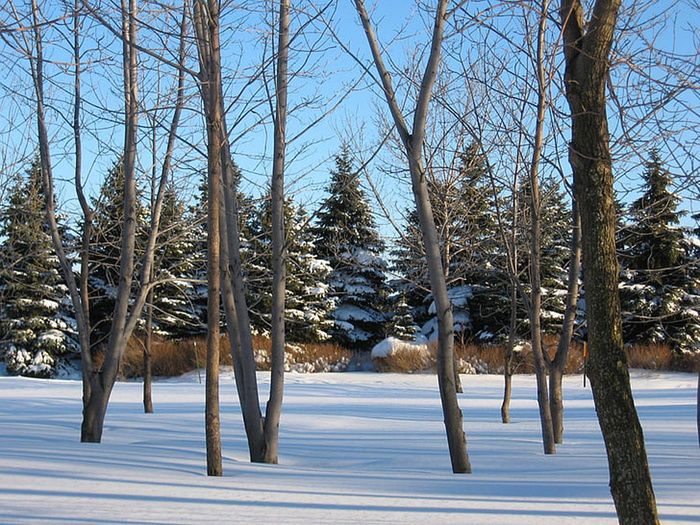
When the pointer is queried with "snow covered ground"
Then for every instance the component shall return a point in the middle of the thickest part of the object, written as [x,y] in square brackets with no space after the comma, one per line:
[355,448]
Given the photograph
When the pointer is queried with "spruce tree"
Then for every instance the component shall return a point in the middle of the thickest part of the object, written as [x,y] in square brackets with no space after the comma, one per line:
[659,281]
[105,249]
[463,213]
[175,266]
[38,334]
[347,237]
[307,304]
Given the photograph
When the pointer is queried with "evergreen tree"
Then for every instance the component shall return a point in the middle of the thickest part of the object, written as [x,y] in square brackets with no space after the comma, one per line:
[175,264]
[347,237]
[105,249]
[38,334]
[659,281]
[402,324]
[555,228]
[463,213]
[307,304]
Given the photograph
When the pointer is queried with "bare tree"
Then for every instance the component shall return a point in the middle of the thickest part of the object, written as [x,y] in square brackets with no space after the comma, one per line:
[206,23]
[413,140]
[586,49]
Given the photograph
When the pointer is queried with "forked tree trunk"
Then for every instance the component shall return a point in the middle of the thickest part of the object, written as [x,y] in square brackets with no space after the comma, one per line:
[274,404]
[102,381]
[535,301]
[558,363]
[587,48]
[413,142]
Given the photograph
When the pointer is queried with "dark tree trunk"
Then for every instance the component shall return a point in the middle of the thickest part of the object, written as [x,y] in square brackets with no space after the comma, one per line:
[147,361]
[508,361]
[587,48]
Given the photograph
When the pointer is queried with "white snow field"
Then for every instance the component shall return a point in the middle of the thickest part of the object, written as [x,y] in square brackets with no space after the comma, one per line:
[355,448]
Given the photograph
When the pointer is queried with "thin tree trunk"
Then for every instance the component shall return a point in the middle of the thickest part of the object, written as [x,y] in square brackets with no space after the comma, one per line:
[207,27]
[147,361]
[587,48]
[238,320]
[413,142]
[274,404]
[536,246]
[558,364]
[508,361]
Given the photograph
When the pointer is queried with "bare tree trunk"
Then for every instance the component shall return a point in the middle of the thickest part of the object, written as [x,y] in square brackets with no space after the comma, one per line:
[238,320]
[587,48]
[207,28]
[508,361]
[558,363]
[147,361]
[535,248]
[413,142]
[274,404]
[103,380]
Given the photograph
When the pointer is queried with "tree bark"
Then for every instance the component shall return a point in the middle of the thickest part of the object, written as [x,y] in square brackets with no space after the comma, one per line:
[147,362]
[413,142]
[207,28]
[535,301]
[558,363]
[586,49]
[274,404]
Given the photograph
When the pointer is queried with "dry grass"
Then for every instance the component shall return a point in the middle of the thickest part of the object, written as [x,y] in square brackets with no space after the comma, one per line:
[409,360]
[174,358]
[481,359]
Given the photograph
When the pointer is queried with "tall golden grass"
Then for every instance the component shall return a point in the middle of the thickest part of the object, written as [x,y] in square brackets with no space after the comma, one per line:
[174,358]
[490,359]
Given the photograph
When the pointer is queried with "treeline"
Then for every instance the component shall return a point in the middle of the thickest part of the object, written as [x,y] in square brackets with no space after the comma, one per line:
[345,283]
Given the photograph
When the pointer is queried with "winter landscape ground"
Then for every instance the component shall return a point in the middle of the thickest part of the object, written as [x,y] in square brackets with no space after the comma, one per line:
[355,448]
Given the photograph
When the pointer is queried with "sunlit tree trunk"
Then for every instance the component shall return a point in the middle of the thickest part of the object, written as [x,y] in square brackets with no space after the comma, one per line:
[274,404]
[558,363]
[206,22]
[413,142]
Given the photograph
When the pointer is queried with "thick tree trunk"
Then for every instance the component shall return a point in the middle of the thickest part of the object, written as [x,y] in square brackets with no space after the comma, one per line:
[586,53]
[558,364]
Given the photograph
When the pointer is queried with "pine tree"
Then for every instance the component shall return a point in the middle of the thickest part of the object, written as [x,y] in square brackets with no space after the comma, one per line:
[175,264]
[659,281]
[402,324]
[463,213]
[347,237]
[105,249]
[38,334]
[307,305]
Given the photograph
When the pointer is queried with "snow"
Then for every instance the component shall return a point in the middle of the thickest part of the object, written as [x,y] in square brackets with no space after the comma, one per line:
[354,448]
[392,346]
